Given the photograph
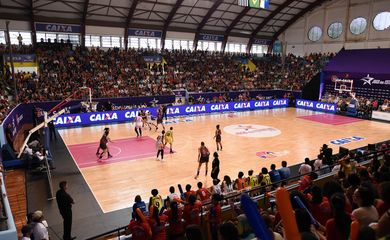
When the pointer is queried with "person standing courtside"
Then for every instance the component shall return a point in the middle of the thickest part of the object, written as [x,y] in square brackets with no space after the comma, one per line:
[64,202]
[52,130]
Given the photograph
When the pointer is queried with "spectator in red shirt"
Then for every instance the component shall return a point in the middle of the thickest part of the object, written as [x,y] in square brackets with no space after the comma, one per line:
[319,206]
[338,227]
[306,181]
[189,192]
[157,224]
[332,187]
[192,210]
[175,220]
[215,217]
[384,205]
[139,227]
[202,193]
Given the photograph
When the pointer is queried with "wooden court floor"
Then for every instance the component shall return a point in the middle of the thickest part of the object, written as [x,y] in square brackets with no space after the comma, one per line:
[251,140]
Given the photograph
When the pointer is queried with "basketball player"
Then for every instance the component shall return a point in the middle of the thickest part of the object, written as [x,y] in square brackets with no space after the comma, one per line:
[106,131]
[160,146]
[144,118]
[203,157]
[160,119]
[149,121]
[169,138]
[217,137]
[103,145]
[138,125]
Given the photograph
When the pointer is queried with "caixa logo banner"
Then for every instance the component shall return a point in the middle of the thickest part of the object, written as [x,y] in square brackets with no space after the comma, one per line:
[225,107]
[69,120]
[318,106]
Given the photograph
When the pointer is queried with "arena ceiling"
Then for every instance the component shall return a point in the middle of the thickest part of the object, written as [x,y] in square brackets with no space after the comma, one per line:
[222,17]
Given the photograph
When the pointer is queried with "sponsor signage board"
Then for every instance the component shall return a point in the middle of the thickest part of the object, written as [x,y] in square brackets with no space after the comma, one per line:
[316,106]
[56,27]
[69,120]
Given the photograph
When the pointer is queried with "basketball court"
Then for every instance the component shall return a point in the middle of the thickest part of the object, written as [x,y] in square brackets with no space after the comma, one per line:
[251,140]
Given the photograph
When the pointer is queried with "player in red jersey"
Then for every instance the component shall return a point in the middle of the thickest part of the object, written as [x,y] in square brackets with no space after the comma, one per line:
[218,139]
[203,157]
[160,119]
[103,144]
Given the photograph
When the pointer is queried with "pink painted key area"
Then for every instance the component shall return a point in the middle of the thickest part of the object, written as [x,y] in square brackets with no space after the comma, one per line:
[331,119]
[121,150]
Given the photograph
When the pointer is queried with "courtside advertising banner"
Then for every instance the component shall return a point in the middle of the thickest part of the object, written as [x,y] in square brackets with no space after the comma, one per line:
[72,120]
[316,106]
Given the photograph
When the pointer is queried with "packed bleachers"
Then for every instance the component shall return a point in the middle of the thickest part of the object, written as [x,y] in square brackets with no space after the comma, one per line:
[355,191]
[364,107]
[125,73]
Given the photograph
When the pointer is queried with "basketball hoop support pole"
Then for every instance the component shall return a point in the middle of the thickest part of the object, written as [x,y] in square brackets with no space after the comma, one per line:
[46,138]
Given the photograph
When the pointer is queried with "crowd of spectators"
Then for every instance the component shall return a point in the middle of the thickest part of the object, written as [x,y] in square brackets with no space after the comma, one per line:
[356,193]
[364,106]
[3,216]
[120,73]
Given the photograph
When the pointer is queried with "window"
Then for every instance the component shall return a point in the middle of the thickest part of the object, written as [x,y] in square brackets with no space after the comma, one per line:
[184,44]
[95,41]
[111,41]
[191,45]
[219,46]
[115,41]
[207,45]
[26,37]
[243,48]
[168,44]
[259,49]
[382,21]
[176,44]
[335,29]
[358,25]
[106,41]
[235,47]
[74,39]
[134,42]
[92,41]
[315,34]
[158,43]
[152,43]
[211,47]
[87,40]
[2,37]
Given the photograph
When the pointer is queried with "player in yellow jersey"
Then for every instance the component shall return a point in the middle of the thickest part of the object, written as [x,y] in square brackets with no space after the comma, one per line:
[155,200]
[169,138]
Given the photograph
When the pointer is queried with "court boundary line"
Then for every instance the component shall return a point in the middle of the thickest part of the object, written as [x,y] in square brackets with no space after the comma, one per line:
[90,188]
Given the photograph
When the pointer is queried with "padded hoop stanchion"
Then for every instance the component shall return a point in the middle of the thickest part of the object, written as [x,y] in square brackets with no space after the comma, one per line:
[287,214]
